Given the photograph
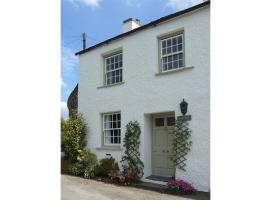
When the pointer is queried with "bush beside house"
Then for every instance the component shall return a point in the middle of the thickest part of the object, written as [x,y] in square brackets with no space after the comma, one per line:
[79,161]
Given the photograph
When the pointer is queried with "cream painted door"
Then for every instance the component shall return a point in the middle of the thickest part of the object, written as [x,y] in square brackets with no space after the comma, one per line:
[162,145]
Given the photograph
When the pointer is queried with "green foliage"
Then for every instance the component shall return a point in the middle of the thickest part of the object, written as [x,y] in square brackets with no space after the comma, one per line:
[76,169]
[84,165]
[181,143]
[80,161]
[86,158]
[89,172]
[131,161]
[73,133]
[106,166]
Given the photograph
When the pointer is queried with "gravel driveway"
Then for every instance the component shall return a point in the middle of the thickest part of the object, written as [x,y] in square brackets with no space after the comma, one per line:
[74,188]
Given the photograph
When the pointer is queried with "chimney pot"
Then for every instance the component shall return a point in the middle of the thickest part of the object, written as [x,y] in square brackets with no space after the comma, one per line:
[130,24]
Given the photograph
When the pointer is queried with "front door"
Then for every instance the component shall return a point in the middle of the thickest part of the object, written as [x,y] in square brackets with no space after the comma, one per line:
[162,145]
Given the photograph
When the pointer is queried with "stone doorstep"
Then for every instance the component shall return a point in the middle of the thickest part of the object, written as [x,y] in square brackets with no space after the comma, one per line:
[150,186]
[159,178]
[161,188]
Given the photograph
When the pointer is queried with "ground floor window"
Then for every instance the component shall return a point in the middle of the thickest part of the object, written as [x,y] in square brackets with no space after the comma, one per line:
[112,128]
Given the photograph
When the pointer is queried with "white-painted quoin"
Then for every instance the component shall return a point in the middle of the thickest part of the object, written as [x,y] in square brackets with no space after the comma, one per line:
[144,74]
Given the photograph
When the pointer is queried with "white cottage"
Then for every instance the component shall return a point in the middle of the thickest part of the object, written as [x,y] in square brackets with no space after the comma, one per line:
[143,74]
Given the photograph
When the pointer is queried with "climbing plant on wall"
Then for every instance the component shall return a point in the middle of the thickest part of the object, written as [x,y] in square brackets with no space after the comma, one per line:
[131,161]
[181,143]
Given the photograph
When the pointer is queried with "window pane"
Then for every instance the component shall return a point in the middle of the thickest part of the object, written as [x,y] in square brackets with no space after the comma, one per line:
[165,67]
[175,57]
[113,80]
[164,51]
[108,133]
[165,60]
[179,39]
[181,64]
[169,50]
[116,140]
[107,125]
[114,124]
[180,47]
[117,133]
[159,121]
[170,121]
[108,118]
[174,41]
[169,58]
[108,140]
[117,79]
[169,66]
[169,42]
[175,64]
[180,55]
[163,44]
[174,49]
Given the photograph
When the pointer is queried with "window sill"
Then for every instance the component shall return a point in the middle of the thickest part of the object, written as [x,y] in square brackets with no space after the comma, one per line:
[111,148]
[174,71]
[106,86]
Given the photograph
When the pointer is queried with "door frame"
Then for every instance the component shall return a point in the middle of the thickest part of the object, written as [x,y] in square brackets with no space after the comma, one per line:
[153,116]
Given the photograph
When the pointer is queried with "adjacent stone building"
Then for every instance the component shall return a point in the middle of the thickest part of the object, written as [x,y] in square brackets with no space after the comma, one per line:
[72,102]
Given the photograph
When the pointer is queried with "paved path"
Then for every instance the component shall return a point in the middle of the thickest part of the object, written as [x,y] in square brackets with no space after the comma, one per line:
[74,188]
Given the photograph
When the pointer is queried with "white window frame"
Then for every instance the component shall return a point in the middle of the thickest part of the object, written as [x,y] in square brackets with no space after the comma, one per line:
[110,71]
[172,53]
[109,129]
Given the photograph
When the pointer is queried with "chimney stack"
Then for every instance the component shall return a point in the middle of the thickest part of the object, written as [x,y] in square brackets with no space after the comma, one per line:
[84,40]
[130,24]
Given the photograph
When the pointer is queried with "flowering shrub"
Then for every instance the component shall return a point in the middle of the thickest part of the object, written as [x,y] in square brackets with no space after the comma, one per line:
[175,186]
[89,173]
[127,177]
[73,136]
[106,166]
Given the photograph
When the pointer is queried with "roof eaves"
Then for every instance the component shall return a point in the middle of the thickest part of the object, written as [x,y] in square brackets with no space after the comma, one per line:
[152,23]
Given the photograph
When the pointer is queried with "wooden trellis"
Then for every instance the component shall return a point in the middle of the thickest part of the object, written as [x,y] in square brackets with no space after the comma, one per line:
[131,158]
[181,143]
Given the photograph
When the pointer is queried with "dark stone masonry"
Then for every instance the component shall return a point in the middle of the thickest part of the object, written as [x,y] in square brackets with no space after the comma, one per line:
[72,102]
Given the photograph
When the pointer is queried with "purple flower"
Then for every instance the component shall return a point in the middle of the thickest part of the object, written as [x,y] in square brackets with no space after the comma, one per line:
[181,186]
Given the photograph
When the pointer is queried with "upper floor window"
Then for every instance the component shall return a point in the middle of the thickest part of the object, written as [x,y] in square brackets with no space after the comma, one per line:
[172,53]
[113,69]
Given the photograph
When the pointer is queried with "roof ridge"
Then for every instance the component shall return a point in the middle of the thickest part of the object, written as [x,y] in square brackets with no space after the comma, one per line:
[152,23]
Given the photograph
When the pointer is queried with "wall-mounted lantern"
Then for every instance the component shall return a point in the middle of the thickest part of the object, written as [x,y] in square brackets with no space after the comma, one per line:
[183,108]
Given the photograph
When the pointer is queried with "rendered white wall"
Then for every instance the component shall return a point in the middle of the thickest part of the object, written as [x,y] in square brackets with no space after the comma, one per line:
[144,93]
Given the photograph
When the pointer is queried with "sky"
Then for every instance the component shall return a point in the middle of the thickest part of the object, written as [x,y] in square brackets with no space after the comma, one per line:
[101,20]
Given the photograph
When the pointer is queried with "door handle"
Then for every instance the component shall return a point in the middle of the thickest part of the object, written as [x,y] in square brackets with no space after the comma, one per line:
[167,151]
[163,151]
